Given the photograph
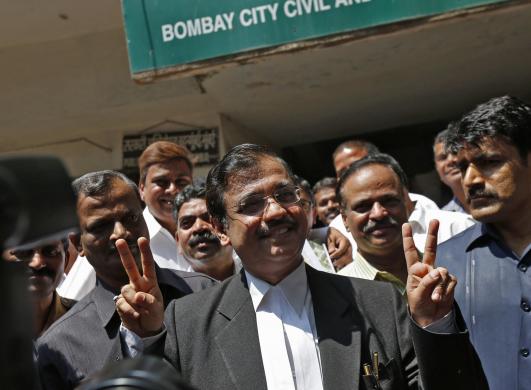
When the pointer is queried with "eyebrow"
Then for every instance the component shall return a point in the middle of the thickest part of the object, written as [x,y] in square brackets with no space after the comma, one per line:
[282,184]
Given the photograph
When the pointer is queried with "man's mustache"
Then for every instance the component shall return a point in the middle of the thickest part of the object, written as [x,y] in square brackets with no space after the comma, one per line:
[265,228]
[45,271]
[375,225]
[474,193]
[203,236]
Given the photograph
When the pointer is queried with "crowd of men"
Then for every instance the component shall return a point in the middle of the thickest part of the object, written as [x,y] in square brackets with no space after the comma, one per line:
[227,280]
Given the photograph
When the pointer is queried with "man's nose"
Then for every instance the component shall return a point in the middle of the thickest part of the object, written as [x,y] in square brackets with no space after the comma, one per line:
[273,209]
[172,188]
[472,177]
[200,225]
[378,211]
[37,261]
[119,231]
[332,204]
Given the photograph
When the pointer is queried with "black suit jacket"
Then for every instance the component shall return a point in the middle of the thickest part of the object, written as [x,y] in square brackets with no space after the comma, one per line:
[212,339]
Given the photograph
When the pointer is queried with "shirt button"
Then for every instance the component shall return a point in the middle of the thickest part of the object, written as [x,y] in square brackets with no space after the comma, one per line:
[524,352]
[522,267]
[525,306]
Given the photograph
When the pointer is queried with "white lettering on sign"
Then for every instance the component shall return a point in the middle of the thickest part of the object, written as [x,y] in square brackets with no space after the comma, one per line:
[257,15]
[247,17]
[293,8]
[199,26]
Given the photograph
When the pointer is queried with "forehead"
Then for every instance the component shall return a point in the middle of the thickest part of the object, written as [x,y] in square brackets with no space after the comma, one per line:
[371,180]
[325,192]
[193,207]
[488,146]
[267,173]
[120,197]
[438,148]
[171,168]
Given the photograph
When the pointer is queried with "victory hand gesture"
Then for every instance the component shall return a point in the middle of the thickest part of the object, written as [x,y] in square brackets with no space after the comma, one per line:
[430,290]
[140,304]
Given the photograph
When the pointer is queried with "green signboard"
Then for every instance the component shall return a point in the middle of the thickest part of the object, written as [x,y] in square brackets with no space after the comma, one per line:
[165,34]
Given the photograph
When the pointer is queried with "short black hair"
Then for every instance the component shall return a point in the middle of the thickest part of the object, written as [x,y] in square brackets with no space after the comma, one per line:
[506,117]
[304,186]
[325,182]
[356,143]
[371,159]
[99,183]
[191,191]
[239,160]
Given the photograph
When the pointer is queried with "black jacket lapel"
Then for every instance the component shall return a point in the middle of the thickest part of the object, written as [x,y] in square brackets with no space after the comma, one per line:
[338,330]
[238,340]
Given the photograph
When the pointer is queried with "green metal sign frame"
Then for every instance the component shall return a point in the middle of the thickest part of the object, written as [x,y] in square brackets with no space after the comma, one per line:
[165,36]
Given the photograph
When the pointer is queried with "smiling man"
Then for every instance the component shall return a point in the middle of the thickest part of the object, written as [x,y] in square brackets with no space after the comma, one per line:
[88,336]
[373,194]
[493,148]
[206,250]
[283,325]
[326,203]
[165,169]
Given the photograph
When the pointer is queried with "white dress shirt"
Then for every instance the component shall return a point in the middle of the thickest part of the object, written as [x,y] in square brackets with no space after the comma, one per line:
[163,246]
[425,210]
[80,280]
[287,332]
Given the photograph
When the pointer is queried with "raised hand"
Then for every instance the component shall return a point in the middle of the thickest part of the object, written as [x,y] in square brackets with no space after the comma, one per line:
[430,290]
[339,248]
[140,304]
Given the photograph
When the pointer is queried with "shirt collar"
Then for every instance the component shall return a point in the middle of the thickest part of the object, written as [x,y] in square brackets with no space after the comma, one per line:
[103,300]
[294,288]
[368,271]
[484,232]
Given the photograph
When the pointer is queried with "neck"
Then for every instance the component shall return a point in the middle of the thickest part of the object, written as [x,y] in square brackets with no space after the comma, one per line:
[516,232]
[393,262]
[41,309]
[277,275]
[219,268]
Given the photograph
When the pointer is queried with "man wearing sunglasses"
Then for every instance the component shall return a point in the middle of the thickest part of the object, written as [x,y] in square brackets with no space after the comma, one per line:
[45,269]
[282,325]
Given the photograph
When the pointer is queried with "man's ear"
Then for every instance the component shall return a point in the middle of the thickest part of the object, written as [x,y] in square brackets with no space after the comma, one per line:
[410,205]
[224,239]
[344,217]
[221,231]
[141,190]
[75,239]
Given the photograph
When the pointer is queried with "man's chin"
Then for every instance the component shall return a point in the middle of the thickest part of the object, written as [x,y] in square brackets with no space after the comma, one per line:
[485,214]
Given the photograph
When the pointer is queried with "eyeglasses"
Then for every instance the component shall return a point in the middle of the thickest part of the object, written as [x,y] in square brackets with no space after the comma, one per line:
[45,251]
[254,205]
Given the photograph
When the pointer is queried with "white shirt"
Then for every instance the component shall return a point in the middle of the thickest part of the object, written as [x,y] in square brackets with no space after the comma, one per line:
[425,210]
[163,246]
[80,280]
[294,297]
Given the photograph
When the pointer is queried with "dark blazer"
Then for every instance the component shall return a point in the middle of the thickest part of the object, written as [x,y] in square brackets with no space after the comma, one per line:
[87,337]
[212,339]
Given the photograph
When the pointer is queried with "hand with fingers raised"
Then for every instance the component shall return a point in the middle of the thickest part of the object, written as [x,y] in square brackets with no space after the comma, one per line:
[430,289]
[140,304]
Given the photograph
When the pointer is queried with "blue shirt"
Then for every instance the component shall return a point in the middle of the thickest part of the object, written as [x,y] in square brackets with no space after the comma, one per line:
[494,294]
